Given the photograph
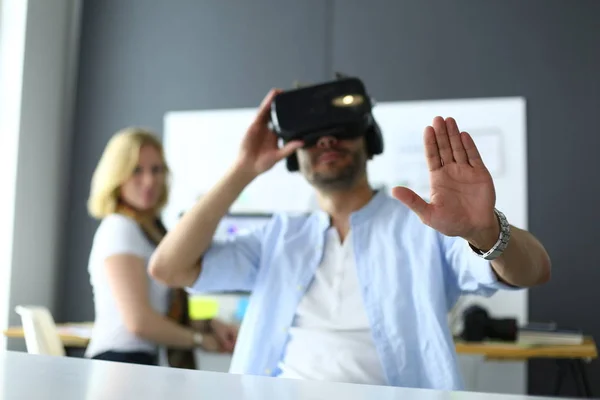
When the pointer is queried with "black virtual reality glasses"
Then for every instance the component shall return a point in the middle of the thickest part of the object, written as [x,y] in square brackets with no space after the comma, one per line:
[340,108]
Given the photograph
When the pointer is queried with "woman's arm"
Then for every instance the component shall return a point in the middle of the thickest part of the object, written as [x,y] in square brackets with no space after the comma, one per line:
[127,278]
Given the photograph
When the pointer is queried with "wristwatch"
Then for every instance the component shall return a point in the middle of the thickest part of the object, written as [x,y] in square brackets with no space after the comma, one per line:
[197,338]
[498,248]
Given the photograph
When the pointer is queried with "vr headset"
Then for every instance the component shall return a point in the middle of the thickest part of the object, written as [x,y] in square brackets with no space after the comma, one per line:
[340,108]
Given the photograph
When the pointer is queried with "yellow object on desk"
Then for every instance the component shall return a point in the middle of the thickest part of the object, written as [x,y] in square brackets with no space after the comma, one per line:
[202,307]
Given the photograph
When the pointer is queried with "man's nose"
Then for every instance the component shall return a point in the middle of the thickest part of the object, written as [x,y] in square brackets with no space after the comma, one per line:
[326,142]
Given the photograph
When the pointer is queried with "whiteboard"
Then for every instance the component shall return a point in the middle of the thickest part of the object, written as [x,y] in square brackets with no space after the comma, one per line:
[201,145]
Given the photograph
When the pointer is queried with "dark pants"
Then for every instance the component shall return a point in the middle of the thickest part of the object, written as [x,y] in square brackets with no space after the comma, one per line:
[136,357]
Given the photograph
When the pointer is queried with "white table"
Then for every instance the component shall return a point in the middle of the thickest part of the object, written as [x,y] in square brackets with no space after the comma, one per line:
[32,377]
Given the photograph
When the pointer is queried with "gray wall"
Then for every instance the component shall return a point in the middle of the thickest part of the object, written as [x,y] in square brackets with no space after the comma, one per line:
[140,58]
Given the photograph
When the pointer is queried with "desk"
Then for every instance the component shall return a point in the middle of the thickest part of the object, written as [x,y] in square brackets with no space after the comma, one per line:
[70,333]
[569,359]
[490,350]
[26,376]
[514,352]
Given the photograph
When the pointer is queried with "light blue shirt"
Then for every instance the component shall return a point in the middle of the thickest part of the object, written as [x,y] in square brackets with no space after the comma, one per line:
[410,277]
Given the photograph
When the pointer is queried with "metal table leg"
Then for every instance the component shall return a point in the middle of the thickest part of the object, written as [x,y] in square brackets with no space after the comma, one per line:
[580,375]
[577,370]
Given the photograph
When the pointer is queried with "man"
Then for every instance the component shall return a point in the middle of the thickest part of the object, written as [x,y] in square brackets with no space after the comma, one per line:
[359,291]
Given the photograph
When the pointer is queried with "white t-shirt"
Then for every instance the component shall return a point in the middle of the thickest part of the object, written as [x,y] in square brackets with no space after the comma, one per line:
[119,234]
[330,339]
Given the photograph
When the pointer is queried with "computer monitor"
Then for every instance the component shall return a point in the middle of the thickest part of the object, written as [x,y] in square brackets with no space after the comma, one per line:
[239,224]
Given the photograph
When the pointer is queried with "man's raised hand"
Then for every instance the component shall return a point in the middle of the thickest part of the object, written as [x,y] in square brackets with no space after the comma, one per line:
[462,190]
[259,150]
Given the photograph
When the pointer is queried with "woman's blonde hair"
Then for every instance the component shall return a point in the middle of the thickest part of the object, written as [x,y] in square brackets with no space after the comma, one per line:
[117,164]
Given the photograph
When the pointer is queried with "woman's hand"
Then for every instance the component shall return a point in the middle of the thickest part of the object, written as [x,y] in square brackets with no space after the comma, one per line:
[200,325]
[210,343]
[226,334]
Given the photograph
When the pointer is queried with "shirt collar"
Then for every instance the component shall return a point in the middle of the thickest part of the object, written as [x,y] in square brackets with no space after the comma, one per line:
[370,209]
[364,214]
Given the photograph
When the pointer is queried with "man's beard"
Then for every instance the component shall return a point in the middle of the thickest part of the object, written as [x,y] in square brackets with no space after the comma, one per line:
[341,179]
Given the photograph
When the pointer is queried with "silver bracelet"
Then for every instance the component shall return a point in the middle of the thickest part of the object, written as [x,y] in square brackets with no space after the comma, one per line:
[197,338]
[500,245]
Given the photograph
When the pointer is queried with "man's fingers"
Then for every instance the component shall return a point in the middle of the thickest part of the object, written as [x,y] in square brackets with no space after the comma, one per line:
[289,148]
[264,110]
[414,202]
[458,150]
[432,153]
[443,141]
[471,150]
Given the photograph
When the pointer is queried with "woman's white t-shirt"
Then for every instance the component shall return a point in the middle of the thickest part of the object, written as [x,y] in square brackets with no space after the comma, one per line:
[119,234]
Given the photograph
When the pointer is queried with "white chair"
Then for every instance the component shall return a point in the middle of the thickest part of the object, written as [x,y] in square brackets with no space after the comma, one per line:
[41,334]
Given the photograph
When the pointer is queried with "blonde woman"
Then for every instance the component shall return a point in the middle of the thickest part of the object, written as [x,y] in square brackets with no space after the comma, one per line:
[136,315]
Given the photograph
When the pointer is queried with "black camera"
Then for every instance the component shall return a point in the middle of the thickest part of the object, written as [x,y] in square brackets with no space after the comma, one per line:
[479,326]
[340,108]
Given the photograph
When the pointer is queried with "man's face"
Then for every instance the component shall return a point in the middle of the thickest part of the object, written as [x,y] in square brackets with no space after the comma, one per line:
[333,164]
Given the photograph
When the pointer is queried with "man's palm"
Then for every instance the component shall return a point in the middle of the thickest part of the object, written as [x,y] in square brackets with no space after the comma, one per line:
[462,190]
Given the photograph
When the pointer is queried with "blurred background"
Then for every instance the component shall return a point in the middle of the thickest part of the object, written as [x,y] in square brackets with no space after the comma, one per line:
[73,72]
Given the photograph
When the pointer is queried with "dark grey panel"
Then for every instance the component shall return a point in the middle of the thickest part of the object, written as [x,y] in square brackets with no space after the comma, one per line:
[141,58]
[546,51]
